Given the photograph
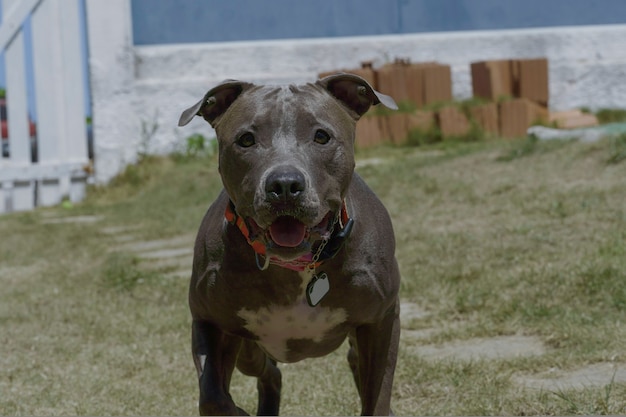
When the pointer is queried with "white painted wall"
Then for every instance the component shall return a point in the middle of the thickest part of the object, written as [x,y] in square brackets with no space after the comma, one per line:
[113,98]
[151,85]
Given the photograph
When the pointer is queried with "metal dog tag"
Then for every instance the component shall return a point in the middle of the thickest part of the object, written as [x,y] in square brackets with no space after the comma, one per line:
[317,289]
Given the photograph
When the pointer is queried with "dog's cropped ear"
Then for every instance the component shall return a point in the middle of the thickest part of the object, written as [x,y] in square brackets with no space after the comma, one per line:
[215,102]
[355,92]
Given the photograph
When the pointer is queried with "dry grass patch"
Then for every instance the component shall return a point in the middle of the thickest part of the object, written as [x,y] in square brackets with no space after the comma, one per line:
[496,241]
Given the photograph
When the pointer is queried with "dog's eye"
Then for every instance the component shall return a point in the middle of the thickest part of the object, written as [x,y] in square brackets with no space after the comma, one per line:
[321,137]
[246,140]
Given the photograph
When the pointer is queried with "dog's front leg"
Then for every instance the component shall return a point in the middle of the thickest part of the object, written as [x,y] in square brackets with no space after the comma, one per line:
[215,355]
[377,350]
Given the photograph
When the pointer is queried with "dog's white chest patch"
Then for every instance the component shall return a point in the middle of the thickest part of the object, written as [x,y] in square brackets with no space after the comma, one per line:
[275,325]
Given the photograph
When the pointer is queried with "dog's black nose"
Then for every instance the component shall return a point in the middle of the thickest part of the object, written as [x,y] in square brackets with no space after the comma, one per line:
[284,184]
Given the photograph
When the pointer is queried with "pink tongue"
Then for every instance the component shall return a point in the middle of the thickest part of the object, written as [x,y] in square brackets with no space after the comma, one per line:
[287,231]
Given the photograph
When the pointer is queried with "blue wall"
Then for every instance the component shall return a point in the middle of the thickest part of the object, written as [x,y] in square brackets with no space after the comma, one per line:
[180,21]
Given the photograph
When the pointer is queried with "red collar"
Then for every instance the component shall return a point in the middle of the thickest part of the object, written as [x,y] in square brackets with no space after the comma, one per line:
[306,260]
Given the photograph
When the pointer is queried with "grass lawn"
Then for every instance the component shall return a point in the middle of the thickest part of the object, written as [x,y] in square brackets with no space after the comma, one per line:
[499,241]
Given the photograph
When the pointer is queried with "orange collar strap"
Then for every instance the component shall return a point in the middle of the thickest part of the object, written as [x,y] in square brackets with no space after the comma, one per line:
[334,243]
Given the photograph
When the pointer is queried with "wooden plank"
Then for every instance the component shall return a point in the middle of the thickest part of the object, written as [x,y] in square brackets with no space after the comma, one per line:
[24,173]
[3,208]
[5,184]
[73,82]
[59,90]
[48,68]
[14,18]
[17,106]
[532,81]
[73,87]
[6,192]
[22,193]
[3,193]
[18,195]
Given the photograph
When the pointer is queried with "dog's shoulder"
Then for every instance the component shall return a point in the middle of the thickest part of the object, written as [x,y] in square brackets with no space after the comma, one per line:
[366,208]
[209,246]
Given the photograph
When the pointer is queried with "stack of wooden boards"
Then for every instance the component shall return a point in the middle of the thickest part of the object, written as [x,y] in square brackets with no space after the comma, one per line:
[511,95]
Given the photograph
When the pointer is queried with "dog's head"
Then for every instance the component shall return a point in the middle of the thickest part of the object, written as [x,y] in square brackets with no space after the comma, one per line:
[286,153]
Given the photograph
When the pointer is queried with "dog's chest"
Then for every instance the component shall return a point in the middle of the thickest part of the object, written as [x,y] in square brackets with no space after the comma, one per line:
[276,325]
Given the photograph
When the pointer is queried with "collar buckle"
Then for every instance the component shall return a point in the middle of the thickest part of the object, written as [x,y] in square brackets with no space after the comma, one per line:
[336,241]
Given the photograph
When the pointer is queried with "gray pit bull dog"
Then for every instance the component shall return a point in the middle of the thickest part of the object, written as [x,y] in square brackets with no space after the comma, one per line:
[296,253]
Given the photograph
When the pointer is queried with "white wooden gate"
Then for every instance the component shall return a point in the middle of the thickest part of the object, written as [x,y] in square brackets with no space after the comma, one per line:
[61,142]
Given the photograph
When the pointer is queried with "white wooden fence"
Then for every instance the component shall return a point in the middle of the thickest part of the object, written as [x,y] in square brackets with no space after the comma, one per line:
[61,142]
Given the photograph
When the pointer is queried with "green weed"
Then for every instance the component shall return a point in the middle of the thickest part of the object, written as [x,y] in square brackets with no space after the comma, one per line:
[530,145]
[617,149]
[197,146]
[121,272]
[603,401]
[611,116]
[421,137]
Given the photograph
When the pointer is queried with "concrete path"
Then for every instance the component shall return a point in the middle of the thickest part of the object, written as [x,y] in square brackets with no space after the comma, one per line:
[503,348]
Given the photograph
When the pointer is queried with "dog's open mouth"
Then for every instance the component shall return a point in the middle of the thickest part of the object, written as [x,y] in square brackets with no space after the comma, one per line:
[288,232]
